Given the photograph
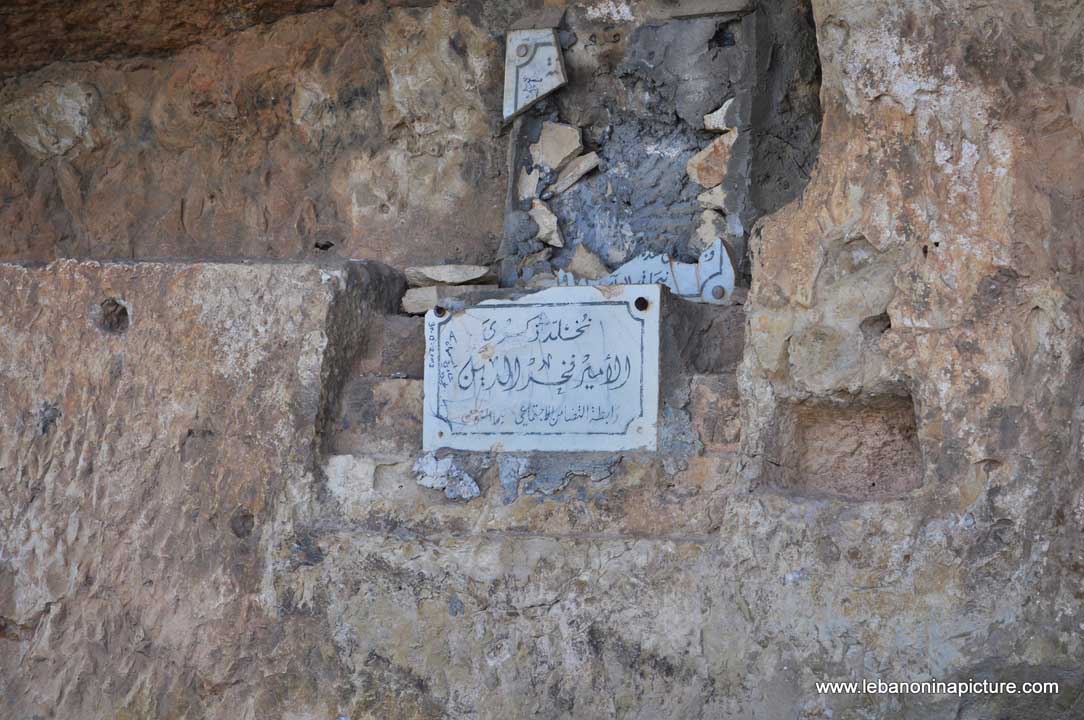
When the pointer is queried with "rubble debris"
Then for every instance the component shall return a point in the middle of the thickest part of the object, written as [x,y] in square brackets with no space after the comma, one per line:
[421,300]
[542,280]
[445,474]
[716,121]
[548,230]
[534,258]
[527,184]
[708,167]
[585,264]
[714,199]
[573,172]
[446,275]
[557,145]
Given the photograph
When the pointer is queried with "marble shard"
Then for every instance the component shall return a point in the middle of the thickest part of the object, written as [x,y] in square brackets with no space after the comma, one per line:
[573,172]
[563,369]
[422,299]
[709,280]
[533,68]
[527,184]
[707,168]
[549,231]
[445,274]
[557,145]
[716,121]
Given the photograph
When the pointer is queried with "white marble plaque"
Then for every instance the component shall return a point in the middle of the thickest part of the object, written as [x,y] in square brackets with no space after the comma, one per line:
[533,68]
[572,368]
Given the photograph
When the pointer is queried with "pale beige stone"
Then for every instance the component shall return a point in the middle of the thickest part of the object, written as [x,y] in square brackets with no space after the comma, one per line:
[574,171]
[716,121]
[445,274]
[557,145]
[527,184]
[586,264]
[708,167]
[712,227]
[420,300]
[542,280]
[714,199]
[549,231]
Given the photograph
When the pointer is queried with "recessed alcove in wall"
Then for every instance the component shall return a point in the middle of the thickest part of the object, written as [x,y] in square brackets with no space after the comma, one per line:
[866,450]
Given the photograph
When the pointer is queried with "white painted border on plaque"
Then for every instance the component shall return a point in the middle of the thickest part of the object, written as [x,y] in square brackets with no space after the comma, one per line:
[488,425]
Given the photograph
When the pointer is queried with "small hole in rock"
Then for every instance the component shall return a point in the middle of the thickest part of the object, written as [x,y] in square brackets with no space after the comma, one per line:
[641,304]
[242,522]
[114,318]
[875,326]
[323,244]
[925,250]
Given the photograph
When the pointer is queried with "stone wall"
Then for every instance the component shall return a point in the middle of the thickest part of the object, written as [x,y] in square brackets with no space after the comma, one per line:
[869,468]
[374,130]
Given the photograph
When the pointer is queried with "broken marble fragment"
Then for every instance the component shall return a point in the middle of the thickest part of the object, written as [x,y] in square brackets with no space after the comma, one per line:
[557,145]
[533,68]
[527,184]
[445,274]
[548,230]
[418,301]
[716,121]
[445,474]
[710,280]
[573,172]
[586,264]
[714,199]
[708,167]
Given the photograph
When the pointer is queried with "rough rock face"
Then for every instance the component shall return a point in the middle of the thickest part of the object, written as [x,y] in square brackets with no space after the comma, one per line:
[371,130]
[933,262]
[208,492]
[364,132]
[36,32]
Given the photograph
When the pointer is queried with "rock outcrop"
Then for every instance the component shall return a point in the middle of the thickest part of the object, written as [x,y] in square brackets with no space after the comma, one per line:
[869,465]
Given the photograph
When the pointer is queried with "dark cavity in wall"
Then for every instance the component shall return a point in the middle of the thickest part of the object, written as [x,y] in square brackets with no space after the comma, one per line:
[861,449]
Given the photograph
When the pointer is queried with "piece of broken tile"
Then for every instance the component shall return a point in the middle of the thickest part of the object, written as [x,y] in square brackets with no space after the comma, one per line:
[714,199]
[586,264]
[712,227]
[549,231]
[708,167]
[716,121]
[533,68]
[421,300]
[445,275]
[573,172]
[557,145]
[527,184]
